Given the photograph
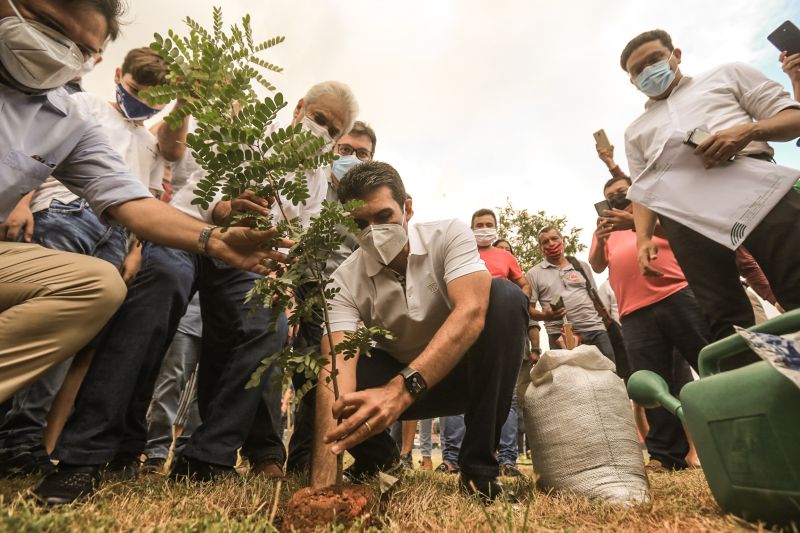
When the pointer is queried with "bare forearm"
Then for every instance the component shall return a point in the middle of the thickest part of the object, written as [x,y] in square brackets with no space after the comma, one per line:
[172,142]
[536,314]
[597,256]
[533,336]
[784,126]
[524,285]
[153,220]
[451,342]
[645,221]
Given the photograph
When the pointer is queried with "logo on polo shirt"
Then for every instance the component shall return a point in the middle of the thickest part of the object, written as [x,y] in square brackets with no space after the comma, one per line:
[573,276]
[433,287]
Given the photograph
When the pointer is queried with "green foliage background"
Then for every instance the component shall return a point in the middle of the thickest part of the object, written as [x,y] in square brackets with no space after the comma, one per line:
[521,228]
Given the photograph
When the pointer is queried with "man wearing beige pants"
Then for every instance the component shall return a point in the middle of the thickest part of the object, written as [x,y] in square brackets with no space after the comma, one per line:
[52,303]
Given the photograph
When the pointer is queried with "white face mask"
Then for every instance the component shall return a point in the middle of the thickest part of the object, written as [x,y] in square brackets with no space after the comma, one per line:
[383,241]
[320,131]
[36,56]
[485,236]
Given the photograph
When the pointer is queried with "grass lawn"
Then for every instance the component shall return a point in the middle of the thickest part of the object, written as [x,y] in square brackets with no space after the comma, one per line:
[420,502]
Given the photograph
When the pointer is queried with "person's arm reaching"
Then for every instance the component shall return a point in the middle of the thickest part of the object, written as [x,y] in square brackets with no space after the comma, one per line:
[645,222]
[522,283]
[19,220]
[791,66]
[381,406]
[597,252]
[156,221]
[172,142]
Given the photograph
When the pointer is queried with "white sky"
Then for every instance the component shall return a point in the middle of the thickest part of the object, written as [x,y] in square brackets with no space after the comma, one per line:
[476,101]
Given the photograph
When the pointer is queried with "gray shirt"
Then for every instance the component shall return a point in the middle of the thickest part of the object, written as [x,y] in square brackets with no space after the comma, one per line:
[46,134]
[548,282]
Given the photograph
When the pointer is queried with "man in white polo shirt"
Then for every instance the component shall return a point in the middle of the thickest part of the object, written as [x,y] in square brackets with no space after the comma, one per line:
[743,110]
[457,336]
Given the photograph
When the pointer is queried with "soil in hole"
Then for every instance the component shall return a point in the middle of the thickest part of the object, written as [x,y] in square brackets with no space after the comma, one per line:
[309,508]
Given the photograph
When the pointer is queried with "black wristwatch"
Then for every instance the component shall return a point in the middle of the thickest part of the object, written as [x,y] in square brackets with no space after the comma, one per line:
[415,383]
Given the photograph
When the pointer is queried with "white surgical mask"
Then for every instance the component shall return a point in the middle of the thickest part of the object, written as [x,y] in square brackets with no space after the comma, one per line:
[656,79]
[485,236]
[88,66]
[37,56]
[383,242]
[320,131]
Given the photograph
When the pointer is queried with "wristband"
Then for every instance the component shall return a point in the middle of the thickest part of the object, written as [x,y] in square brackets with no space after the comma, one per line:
[202,241]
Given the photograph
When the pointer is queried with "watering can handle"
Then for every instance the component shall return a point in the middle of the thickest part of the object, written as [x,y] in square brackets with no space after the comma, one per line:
[711,356]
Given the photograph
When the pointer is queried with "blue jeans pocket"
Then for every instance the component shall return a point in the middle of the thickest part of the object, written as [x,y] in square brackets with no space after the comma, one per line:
[75,207]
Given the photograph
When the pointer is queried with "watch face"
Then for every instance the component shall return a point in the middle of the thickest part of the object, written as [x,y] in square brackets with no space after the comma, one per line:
[416,384]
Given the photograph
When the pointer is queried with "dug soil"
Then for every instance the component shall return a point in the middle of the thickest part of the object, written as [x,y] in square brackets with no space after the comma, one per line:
[310,509]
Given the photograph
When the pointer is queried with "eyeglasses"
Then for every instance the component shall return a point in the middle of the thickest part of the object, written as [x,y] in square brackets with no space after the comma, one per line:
[361,153]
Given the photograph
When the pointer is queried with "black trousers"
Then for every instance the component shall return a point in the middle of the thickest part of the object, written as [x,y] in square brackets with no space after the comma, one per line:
[480,386]
[711,270]
[663,337]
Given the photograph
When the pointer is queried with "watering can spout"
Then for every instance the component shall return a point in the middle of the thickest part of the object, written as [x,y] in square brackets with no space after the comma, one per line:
[649,390]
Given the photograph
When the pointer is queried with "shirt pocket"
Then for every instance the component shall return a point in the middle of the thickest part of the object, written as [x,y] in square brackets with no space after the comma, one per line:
[21,173]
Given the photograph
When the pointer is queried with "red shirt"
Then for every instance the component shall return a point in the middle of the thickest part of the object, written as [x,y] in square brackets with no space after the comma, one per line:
[632,289]
[500,263]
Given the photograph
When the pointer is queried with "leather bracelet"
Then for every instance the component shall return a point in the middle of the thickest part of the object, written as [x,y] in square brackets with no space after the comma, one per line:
[202,241]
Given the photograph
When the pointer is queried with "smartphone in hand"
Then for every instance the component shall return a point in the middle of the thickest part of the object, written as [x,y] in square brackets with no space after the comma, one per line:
[602,207]
[786,38]
[601,139]
[558,304]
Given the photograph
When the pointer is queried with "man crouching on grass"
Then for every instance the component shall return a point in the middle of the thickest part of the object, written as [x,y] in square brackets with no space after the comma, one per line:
[458,335]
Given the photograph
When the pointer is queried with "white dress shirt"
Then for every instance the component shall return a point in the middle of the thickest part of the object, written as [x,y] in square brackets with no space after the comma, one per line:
[723,97]
[413,307]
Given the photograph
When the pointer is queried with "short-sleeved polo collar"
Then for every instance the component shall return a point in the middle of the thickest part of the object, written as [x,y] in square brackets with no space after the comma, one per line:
[56,100]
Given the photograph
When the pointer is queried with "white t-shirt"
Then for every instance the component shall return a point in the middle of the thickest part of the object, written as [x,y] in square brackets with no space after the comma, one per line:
[316,180]
[439,252]
[723,97]
[137,146]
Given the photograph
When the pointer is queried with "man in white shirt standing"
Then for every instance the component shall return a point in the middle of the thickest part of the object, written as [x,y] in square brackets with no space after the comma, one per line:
[742,110]
[457,334]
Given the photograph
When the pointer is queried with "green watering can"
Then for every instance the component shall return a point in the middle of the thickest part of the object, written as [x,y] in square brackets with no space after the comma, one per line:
[745,424]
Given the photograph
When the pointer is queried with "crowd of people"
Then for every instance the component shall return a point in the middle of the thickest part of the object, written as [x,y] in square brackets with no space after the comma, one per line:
[123,315]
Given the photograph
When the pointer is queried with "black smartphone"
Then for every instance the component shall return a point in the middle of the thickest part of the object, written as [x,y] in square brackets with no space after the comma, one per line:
[786,38]
[602,207]
[558,304]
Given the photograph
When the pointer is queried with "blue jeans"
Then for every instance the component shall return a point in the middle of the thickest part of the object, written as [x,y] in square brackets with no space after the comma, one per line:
[597,338]
[111,406]
[507,448]
[453,429]
[178,366]
[426,437]
[73,228]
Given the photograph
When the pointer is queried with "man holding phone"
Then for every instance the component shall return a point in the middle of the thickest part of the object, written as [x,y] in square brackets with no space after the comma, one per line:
[743,110]
[561,285]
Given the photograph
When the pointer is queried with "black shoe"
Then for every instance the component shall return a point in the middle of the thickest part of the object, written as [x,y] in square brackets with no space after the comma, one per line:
[187,468]
[447,468]
[153,465]
[67,484]
[407,462]
[358,475]
[487,490]
[124,466]
[509,470]
[26,462]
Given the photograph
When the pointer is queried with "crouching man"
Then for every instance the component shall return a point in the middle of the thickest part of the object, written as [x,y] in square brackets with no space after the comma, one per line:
[457,336]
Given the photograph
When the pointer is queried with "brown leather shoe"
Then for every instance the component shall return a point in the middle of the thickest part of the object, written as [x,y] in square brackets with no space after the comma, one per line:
[268,469]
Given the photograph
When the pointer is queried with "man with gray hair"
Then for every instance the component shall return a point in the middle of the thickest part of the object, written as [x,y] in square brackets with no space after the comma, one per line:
[108,425]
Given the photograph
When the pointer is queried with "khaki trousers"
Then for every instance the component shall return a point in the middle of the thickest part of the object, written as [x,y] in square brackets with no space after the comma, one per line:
[51,305]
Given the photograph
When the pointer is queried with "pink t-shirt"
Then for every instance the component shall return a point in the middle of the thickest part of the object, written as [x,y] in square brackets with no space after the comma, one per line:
[500,263]
[632,289]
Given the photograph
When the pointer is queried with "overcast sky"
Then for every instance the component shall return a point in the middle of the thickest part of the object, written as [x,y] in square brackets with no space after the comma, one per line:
[476,101]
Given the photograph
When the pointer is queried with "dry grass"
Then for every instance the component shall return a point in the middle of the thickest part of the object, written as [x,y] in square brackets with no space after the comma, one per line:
[421,502]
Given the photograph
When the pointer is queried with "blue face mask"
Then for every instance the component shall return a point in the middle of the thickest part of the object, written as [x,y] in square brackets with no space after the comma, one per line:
[343,164]
[132,107]
[656,79]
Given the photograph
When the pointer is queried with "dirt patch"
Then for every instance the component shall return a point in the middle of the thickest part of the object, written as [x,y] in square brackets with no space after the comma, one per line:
[310,509]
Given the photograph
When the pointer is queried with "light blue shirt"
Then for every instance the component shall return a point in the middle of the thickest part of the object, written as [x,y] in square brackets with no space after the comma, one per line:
[43,135]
